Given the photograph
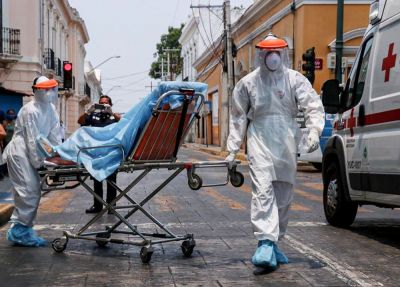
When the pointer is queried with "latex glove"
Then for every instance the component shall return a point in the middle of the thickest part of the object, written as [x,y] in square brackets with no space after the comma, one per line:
[312,141]
[91,109]
[231,159]
[107,109]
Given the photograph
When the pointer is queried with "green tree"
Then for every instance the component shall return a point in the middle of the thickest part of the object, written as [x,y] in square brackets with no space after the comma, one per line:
[167,41]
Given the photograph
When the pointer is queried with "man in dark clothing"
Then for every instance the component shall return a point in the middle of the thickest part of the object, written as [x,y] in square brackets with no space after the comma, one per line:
[100,115]
[2,136]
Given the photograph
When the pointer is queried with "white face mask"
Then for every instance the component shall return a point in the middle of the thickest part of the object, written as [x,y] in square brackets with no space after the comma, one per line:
[43,96]
[273,61]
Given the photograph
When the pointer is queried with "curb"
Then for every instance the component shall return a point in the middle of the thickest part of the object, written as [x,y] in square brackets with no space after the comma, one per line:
[5,213]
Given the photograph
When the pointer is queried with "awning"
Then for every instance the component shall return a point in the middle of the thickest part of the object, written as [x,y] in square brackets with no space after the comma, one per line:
[10,92]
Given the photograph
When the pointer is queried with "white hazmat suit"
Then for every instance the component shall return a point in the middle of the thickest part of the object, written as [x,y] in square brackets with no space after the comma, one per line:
[38,116]
[265,105]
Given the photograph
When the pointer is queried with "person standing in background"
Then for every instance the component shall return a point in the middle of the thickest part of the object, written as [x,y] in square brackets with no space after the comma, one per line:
[62,131]
[2,136]
[9,124]
[100,118]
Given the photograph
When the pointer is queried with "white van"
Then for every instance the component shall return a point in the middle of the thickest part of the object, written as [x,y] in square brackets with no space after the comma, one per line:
[315,157]
[361,161]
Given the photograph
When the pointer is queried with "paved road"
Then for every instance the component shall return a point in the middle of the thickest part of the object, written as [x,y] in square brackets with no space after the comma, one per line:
[367,254]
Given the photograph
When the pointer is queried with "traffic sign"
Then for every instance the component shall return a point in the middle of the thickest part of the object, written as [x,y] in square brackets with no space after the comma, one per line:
[318,64]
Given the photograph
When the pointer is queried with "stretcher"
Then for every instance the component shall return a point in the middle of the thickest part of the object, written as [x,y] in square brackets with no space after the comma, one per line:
[156,148]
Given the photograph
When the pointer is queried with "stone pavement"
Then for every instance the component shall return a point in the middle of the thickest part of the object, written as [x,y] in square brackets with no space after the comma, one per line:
[218,218]
[367,254]
[6,200]
[214,150]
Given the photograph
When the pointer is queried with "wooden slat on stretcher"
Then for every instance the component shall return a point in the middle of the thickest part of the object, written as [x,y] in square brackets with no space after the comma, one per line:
[171,139]
[162,152]
[149,133]
[161,130]
[159,139]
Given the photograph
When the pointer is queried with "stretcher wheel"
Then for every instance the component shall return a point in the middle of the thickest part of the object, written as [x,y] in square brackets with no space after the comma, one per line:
[187,247]
[145,254]
[59,244]
[102,243]
[195,182]
[236,179]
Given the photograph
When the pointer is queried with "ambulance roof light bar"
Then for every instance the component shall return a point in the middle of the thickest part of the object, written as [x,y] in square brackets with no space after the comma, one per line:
[376,11]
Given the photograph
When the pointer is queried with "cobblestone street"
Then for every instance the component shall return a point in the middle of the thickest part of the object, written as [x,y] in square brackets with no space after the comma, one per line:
[320,255]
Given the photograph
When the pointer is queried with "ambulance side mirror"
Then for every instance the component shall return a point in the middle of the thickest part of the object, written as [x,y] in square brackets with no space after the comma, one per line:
[330,94]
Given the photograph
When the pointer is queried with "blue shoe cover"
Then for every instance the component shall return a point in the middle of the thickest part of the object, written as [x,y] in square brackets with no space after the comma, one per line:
[280,256]
[23,235]
[265,256]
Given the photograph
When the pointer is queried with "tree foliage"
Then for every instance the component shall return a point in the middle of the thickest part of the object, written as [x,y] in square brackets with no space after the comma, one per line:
[167,41]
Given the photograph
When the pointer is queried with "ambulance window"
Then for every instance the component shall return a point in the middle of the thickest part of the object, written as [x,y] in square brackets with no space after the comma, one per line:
[358,76]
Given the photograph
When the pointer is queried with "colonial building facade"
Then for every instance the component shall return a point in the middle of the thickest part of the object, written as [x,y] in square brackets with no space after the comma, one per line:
[303,24]
[199,36]
[37,36]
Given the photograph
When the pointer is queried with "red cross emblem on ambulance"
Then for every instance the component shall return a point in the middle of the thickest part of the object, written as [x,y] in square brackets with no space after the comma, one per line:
[389,62]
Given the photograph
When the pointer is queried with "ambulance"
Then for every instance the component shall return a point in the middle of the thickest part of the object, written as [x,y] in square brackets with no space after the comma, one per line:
[361,160]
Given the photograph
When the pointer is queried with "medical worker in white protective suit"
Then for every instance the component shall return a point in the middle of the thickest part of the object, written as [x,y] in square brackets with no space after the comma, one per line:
[265,104]
[39,116]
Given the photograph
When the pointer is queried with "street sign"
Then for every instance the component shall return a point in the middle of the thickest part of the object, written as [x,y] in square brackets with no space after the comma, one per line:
[318,64]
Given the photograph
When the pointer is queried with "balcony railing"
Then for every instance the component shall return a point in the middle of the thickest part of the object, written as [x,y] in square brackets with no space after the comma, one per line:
[49,59]
[10,42]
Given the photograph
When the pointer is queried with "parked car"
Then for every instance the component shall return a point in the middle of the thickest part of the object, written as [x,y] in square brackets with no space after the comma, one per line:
[315,157]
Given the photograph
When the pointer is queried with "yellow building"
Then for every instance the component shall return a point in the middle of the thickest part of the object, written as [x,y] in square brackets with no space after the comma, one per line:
[303,24]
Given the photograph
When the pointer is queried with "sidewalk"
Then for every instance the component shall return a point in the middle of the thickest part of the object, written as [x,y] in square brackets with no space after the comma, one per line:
[6,200]
[214,150]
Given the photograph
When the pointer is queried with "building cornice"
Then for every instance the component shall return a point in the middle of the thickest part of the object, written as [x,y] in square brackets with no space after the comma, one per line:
[188,30]
[356,33]
[73,15]
[207,69]
[260,7]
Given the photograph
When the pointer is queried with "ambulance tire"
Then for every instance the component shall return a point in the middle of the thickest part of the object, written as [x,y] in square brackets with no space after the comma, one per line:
[339,211]
[317,165]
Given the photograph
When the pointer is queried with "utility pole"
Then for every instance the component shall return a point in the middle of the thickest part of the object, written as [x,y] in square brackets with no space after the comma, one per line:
[151,86]
[339,41]
[227,77]
[169,71]
[227,81]
[162,67]
[168,67]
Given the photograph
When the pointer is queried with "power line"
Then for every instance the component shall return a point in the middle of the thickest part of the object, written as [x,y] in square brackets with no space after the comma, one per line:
[135,82]
[205,30]
[209,62]
[213,49]
[125,76]
[176,10]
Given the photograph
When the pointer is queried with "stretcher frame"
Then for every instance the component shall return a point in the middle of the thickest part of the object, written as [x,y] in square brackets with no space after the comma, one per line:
[144,158]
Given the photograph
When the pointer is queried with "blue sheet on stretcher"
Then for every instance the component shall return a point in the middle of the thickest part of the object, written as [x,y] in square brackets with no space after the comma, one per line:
[102,162]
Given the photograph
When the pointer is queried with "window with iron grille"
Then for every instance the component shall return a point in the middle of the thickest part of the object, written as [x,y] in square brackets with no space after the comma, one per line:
[10,41]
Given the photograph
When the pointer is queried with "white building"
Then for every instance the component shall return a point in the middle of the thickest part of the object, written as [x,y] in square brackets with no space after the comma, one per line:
[203,32]
[93,82]
[37,36]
